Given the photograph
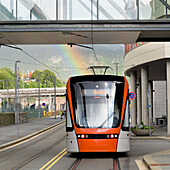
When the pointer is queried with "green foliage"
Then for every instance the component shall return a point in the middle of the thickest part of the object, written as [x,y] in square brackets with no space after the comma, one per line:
[7,78]
[47,78]
[142,126]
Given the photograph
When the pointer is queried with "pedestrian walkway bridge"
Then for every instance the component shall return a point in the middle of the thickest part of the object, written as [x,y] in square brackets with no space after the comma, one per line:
[61,22]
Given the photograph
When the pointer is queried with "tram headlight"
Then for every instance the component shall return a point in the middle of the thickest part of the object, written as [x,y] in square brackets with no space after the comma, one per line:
[111,136]
[82,136]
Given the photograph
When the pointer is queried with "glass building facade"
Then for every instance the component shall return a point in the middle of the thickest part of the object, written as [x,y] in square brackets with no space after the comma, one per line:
[83,9]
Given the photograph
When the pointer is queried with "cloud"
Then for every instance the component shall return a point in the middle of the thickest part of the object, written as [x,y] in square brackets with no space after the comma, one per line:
[56,59]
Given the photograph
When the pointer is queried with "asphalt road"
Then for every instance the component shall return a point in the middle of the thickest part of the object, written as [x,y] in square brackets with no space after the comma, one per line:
[48,151]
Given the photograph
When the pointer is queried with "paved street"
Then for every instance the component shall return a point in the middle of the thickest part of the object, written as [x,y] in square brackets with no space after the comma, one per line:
[47,150]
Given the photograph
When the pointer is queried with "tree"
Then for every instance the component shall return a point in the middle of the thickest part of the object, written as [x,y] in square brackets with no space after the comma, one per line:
[47,78]
[7,78]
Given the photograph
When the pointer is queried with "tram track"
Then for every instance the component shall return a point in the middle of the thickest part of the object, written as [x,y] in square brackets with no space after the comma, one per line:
[7,153]
[32,158]
[75,164]
[116,164]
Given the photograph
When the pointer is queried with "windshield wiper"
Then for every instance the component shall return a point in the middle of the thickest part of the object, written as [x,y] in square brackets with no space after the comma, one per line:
[106,121]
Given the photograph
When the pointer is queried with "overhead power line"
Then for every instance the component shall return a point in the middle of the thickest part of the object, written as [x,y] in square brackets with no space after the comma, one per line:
[16,47]
[69,68]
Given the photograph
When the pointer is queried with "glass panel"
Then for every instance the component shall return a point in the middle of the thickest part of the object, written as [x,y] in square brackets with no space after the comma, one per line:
[126,118]
[153,9]
[74,9]
[97,104]
[81,9]
[117,9]
[7,10]
[36,10]
[69,124]
[146,8]
[23,10]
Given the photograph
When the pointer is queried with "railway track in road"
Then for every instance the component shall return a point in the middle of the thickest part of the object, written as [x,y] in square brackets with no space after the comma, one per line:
[76,163]
[116,164]
[21,165]
[24,153]
[15,149]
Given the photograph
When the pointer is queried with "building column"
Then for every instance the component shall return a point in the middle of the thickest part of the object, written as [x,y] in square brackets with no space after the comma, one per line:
[168,94]
[144,92]
[138,96]
[133,102]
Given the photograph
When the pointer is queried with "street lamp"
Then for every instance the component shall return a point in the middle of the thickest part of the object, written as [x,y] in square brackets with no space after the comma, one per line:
[54,97]
[16,100]
[39,94]
[116,62]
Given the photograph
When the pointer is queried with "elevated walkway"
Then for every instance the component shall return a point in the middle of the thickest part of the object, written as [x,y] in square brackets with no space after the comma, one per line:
[64,32]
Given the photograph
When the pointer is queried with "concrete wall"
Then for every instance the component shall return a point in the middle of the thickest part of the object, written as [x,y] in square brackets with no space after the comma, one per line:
[148,52]
[9,118]
[159,99]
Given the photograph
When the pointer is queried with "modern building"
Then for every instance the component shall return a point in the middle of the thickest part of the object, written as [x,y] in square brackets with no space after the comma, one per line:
[148,66]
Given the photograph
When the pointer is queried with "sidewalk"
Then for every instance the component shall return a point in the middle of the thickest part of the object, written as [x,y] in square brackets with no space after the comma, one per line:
[160,133]
[8,134]
[159,160]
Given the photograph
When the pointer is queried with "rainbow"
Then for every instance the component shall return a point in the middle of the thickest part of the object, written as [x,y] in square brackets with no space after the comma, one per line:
[72,58]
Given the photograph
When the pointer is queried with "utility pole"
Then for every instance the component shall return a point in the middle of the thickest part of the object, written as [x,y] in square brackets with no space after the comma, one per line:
[16,110]
[39,95]
[7,92]
[3,98]
[116,62]
[54,97]
[18,87]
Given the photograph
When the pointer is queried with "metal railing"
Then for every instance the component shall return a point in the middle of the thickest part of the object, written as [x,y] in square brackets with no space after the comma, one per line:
[90,9]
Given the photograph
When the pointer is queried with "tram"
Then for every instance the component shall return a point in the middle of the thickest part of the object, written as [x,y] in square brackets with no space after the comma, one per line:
[97,109]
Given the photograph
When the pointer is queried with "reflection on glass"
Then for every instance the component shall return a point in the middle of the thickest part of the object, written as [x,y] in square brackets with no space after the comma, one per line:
[23,12]
[82,9]
[75,10]
[37,10]
[145,9]
[97,104]
[7,9]
[117,9]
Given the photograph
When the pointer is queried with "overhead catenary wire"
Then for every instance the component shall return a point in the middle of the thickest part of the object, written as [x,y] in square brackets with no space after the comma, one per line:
[31,56]
[68,68]
[64,69]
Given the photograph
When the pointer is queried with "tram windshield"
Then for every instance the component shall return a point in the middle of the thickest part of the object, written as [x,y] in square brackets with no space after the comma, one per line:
[97,104]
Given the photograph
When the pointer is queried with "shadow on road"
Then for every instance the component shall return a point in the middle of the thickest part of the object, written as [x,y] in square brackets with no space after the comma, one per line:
[94,155]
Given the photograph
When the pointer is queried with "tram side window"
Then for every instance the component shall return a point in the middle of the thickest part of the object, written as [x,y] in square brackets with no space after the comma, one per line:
[68,120]
[126,118]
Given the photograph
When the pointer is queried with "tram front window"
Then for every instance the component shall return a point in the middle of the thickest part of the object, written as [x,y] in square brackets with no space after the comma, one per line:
[98,104]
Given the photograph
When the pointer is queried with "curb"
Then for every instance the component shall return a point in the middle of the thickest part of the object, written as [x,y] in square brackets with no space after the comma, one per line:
[3,146]
[149,162]
[150,138]
[147,159]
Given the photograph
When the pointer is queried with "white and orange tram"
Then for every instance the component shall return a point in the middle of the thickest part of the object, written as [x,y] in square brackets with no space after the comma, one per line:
[97,114]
